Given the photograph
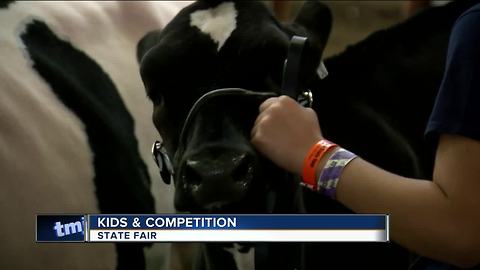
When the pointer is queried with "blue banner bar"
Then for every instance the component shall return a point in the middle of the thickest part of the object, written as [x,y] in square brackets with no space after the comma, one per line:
[238,222]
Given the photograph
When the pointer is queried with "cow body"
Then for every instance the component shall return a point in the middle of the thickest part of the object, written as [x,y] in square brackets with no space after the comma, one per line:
[69,101]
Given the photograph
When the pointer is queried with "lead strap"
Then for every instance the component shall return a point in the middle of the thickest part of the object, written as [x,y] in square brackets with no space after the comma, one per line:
[330,175]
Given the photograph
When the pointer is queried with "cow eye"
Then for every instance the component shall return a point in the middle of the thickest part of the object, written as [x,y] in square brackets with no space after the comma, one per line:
[158,101]
[156,97]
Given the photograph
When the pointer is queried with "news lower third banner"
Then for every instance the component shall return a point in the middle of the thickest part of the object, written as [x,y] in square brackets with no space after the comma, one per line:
[212,228]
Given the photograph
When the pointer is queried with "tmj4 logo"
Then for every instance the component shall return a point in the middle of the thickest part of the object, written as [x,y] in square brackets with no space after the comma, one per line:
[62,230]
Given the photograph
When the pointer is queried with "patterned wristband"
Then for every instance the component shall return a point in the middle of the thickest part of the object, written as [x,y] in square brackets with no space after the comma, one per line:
[328,179]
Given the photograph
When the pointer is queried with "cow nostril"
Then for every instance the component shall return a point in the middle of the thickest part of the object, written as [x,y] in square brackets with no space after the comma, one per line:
[192,174]
[244,170]
[238,169]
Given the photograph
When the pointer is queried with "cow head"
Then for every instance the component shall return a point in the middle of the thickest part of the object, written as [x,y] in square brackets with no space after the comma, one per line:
[211,45]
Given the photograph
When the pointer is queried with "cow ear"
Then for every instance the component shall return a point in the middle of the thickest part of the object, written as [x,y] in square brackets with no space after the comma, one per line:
[147,42]
[315,19]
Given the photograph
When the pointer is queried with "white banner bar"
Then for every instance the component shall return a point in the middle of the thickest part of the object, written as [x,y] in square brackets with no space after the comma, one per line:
[238,236]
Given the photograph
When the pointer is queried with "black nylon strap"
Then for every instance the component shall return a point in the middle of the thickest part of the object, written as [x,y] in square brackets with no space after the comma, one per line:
[291,70]
[290,87]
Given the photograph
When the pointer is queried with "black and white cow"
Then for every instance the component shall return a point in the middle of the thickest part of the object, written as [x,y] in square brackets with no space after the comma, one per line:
[73,131]
[376,102]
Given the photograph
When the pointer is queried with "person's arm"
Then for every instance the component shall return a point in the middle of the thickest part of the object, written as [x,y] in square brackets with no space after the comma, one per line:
[438,219]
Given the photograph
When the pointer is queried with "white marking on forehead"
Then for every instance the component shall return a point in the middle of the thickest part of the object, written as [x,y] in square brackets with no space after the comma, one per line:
[218,22]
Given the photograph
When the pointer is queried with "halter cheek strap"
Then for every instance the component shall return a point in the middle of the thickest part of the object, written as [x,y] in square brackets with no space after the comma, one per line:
[292,86]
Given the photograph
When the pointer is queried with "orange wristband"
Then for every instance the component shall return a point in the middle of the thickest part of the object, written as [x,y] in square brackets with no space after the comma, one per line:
[310,164]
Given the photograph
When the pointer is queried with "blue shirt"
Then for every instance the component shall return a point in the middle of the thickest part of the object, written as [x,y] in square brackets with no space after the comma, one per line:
[457,107]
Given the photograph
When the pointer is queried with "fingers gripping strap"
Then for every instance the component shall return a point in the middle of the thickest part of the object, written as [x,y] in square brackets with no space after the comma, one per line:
[314,156]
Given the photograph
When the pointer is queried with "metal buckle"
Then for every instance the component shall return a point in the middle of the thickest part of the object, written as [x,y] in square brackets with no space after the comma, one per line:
[306,99]
[162,160]
[155,151]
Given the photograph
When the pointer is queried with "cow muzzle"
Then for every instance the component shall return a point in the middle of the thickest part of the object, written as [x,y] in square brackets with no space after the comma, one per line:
[218,176]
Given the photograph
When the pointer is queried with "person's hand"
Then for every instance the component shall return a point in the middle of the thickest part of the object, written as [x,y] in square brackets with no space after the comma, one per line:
[284,132]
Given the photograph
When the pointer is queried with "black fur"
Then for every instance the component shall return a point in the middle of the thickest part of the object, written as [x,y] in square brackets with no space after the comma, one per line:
[5,3]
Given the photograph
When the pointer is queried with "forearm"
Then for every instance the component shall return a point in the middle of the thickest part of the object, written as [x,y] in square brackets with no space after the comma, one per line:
[438,219]
[422,217]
